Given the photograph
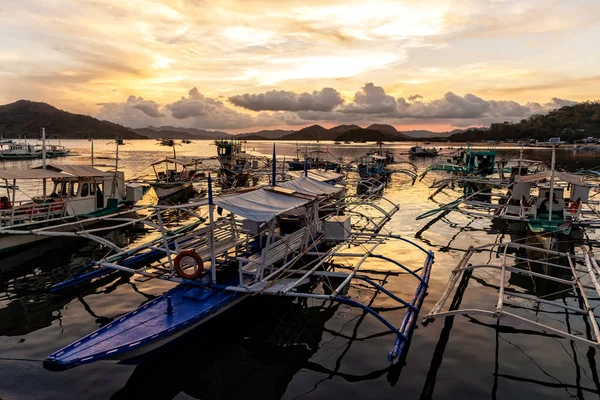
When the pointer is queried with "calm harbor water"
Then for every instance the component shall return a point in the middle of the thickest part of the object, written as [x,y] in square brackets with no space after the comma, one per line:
[273,348]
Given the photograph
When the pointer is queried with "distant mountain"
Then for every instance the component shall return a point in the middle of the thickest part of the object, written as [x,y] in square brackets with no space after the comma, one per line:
[371,135]
[344,128]
[424,134]
[362,133]
[388,129]
[313,132]
[195,133]
[167,134]
[26,118]
[250,136]
[265,134]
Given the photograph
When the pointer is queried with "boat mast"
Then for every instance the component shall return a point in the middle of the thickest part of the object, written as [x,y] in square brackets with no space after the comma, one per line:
[520,160]
[92,152]
[211,236]
[274,166]
[552,183]
[44,161]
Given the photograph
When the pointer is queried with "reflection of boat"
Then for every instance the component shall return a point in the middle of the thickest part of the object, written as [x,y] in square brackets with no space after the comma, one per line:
[418,151]
[258,357]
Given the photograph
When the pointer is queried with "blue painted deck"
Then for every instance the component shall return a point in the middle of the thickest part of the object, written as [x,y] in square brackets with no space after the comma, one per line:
[147,325]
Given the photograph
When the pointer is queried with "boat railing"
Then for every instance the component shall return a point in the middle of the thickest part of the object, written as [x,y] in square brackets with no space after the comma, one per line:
[27,211]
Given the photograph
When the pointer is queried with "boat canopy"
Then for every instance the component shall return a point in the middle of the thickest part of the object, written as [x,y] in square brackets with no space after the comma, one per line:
[260,205]
[78,171]
[169,160]
[31,174]
[311,186]
[54,172]
[318,175]
[377,157]
[563,176]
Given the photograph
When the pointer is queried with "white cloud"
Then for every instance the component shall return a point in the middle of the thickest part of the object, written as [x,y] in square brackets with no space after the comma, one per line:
[280,100]
[371,100]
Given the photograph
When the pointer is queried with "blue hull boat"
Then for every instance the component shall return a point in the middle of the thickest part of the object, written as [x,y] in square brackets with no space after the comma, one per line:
[150,326]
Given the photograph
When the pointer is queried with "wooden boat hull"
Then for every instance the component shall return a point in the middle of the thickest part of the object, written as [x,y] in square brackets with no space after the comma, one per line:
[168,191]
[147,328]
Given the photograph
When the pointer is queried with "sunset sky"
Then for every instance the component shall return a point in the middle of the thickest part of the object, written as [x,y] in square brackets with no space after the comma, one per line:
[247,65]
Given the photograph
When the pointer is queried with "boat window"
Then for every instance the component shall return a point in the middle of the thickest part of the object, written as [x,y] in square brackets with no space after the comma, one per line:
[74,188]
[92,189]
[62,188]
[100,187]
[84,190]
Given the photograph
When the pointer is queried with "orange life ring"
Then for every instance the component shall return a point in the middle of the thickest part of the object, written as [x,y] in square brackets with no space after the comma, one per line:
[188,253]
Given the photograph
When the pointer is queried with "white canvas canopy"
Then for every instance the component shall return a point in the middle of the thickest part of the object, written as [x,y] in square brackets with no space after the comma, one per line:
[79,171]
[260,205]
[311,186]
[377,157]
[31,174]
[562,176]
[321,176]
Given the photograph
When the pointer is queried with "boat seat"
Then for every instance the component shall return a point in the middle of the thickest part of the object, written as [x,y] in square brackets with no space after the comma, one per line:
[271,254]
[225,234]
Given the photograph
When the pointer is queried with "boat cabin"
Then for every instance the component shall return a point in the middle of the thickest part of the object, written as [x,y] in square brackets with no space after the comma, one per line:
[559,196]
[73,190]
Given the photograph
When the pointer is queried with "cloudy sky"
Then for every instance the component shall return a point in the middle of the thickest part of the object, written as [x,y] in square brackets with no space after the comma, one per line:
[242,65]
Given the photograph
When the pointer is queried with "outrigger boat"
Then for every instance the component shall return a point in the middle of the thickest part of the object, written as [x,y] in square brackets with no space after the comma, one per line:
[275,241]
[418,151]
[467,162]
[78,196]
[316,159]
[173,182]
[556,206]
[533,285]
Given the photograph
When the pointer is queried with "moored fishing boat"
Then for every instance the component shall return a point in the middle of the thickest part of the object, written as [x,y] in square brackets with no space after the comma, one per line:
[176,180]
[418,151]
[273,241]
[78,194]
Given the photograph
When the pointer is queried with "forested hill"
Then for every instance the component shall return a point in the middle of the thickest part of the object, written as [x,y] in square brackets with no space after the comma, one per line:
[570,123]
[25,118]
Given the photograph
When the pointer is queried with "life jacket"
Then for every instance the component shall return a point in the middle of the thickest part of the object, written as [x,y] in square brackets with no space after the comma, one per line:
[575,206]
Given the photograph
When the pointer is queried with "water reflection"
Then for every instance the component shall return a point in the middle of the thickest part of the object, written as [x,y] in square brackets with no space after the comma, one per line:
[257,348]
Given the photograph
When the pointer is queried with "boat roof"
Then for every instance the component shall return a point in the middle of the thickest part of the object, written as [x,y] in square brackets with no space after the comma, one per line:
[261,205]
[54,171]
[311,186]
[80,171]
[30,174]
[377,157]
[573,179]
[321,176]
[169,160]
